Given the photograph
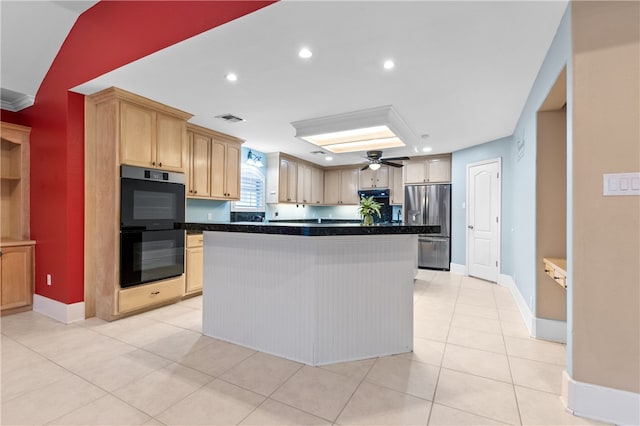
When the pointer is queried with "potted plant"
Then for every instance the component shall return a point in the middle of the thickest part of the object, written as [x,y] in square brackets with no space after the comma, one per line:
[368,207]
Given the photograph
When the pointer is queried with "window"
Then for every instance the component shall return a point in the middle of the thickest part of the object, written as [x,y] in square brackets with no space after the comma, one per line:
[251,190]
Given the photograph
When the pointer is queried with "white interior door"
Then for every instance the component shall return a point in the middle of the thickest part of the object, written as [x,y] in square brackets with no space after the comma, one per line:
[483,220]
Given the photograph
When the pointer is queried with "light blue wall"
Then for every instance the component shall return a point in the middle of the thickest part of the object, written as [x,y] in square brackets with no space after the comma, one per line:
[198,210]
[500,148]
[518,231]
[524,168]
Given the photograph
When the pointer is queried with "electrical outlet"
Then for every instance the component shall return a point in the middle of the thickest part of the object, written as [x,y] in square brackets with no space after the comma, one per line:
[209,216]
[48,279]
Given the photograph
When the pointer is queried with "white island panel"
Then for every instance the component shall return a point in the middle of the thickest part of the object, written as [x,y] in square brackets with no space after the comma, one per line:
[316,300]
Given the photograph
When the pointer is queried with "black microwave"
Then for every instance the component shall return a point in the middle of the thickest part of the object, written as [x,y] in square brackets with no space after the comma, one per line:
[151,199]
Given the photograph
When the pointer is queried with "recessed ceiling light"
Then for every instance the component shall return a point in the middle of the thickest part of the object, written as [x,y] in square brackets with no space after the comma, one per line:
[328,158]
[231,77]
[427,149]
[305,53]
[388,64]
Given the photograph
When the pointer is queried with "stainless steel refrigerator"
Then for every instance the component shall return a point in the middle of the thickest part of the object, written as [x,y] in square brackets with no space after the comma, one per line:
[430,205]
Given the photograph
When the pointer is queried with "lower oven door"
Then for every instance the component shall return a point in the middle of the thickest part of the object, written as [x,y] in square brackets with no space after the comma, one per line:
[150,256]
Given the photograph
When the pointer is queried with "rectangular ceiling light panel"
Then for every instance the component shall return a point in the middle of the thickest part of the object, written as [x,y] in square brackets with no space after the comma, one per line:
[375,128]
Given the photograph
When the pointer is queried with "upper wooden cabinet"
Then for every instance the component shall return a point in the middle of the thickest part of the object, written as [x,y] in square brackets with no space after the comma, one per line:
[291,180]
[214,164]
[14,182]
[341,186]
[434,169]
[369,179]
[317,185]
[152,138]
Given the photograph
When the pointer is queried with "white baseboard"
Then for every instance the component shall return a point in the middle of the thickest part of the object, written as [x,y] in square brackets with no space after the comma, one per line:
[600,402]
[57,310]
[525,311]
[549,329]
[456,268]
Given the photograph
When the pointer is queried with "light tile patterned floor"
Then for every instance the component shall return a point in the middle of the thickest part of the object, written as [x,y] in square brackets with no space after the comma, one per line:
[473,364]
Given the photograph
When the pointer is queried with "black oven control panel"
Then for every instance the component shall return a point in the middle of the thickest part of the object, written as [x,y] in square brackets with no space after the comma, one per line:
[156,175]
[131,172]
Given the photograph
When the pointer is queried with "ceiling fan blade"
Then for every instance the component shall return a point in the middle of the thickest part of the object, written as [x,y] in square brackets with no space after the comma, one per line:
[365,167]
[396,158]
[391,164]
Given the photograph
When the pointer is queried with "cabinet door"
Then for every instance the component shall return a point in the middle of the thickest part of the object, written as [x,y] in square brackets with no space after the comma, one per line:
[439,169]
[317,185]
[283,181]
[232,171]
[137,135]
[381,177]
[349,186]
[332,186]
[194,270]
[292,182]
[397,188]
[199,164]
[170,143]
[16,276]
[217,169]
[365,178]
[304,184]
[415,172]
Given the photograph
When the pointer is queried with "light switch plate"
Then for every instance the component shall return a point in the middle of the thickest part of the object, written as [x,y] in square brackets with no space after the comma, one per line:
[620,184]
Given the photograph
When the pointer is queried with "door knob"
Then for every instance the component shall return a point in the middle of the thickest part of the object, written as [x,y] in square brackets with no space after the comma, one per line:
[470,226]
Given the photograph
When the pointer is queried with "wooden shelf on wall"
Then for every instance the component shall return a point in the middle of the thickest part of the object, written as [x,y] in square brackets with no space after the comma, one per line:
[556,269]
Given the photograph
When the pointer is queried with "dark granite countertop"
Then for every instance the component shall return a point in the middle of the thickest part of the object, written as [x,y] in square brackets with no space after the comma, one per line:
[311,229]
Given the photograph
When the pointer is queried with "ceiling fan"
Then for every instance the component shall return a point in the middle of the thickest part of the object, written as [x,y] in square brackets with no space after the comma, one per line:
[375,160]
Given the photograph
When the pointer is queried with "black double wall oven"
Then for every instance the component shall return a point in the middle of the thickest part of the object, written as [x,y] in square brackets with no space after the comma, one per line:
[152,210]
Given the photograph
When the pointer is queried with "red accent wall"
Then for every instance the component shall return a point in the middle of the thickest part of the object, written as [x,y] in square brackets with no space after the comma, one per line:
[105,37]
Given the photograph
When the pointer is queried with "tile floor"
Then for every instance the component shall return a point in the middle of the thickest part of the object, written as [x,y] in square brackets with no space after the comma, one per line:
[473,364]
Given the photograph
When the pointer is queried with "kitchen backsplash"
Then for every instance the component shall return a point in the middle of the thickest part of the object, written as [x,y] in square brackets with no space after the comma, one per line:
[207,210]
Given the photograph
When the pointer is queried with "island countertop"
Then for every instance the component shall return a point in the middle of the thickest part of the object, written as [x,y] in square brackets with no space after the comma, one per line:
[312,229]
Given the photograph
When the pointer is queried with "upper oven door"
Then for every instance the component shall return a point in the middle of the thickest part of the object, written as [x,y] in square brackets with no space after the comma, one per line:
[150,204]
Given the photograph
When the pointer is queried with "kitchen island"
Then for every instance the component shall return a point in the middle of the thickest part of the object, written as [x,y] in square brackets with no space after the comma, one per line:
[313,293]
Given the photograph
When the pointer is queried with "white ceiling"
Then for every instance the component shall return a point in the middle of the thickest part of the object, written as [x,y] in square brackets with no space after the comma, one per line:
[463,69]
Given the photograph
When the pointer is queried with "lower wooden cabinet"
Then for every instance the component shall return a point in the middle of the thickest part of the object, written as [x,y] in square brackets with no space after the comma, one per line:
[16,277]
[194,264]
[155,294]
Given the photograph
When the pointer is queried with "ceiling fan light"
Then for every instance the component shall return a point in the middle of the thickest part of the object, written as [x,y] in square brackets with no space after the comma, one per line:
[374,166]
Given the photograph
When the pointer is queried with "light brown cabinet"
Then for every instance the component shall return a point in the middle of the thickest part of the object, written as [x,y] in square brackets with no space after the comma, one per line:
[16,250]
[225,169]
[341,186]
[397,188]
[371,179]
[436,169]
[317,185]
[150,138]
[304,184]
[199,176]
[120,128]
[287,181]
[194,264]
[214,164]
[16,276]
[291,180]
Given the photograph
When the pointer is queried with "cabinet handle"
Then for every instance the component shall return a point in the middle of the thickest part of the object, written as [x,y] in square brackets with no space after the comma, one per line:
[155,292]
[195,192]
[160,164]
[153,163]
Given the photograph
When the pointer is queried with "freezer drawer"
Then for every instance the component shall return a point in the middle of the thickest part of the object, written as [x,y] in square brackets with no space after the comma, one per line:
[433,253]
